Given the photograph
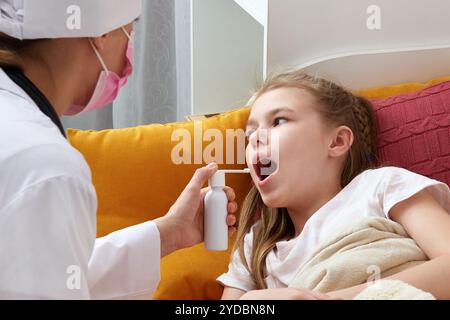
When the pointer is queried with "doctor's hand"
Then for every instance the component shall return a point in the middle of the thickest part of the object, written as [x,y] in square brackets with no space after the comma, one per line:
[182,227]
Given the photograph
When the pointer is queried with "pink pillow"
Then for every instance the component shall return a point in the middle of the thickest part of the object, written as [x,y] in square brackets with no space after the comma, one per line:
[414,131]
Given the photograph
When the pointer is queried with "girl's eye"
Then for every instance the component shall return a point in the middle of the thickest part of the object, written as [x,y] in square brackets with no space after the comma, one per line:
[279,121]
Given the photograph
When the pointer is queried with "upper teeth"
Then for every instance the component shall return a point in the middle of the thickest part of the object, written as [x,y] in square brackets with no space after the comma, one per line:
[267,167]
[265,162]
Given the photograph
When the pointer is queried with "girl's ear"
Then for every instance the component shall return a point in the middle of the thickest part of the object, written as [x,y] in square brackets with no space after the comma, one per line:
[342,141]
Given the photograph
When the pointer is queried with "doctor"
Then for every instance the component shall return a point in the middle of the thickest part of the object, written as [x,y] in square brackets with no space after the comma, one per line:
[63,57]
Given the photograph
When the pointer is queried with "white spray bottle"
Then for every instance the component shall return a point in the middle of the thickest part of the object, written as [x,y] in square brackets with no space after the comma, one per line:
[215,221]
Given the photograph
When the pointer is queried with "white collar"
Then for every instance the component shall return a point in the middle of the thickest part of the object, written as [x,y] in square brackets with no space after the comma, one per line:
[8,85]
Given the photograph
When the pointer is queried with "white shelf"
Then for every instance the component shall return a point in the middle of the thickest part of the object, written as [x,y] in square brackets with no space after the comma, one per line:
[237,43]
[227,60]
[332,40]
[258,9]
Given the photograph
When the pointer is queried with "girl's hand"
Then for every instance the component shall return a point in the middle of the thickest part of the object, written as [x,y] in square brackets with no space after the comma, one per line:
[285,294]
[182,227]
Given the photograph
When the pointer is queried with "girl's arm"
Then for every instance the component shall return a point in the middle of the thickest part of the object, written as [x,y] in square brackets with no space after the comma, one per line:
[429,225]
[285,294]
[273,294]
[232,293]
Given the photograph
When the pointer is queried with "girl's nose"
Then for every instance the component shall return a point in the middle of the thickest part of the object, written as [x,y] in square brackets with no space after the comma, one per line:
[253,139]
[259,139]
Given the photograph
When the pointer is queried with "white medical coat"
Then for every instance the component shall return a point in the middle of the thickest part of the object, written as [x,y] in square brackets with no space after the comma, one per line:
[48,245]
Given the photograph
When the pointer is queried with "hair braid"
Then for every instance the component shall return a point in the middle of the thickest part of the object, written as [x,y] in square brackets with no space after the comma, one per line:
[365,122]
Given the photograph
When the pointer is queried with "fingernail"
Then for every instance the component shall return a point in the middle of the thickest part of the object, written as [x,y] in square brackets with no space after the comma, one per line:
[212,165]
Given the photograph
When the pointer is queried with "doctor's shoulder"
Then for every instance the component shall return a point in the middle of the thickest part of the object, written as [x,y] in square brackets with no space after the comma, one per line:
[33,155]
[50,175]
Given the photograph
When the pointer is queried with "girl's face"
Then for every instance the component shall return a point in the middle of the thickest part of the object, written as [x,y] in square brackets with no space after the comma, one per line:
[286,128]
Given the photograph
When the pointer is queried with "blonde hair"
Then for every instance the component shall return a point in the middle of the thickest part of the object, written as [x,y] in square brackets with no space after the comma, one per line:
[337,106]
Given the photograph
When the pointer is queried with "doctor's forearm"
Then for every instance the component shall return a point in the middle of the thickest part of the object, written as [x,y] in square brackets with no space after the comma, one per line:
[168,234]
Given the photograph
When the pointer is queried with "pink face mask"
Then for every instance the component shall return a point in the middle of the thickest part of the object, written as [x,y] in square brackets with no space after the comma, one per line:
[109,83]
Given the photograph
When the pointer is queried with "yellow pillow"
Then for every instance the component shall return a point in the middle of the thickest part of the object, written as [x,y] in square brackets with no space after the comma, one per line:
[136,181]
[393,90]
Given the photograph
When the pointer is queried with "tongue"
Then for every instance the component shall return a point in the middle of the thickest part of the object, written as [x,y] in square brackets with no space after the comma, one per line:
[267,169]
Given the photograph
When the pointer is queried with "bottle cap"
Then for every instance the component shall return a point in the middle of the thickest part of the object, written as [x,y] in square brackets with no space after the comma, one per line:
[218,179]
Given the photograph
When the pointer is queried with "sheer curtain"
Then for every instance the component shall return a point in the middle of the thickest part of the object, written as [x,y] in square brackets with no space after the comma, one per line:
[159,89]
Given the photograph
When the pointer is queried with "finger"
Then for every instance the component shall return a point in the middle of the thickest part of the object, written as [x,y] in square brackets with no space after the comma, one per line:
[202,175]
[304,294]
[232,207]
[204,191]
[321,296]
[231,195]
[308,297]
[231,220]
[231,231]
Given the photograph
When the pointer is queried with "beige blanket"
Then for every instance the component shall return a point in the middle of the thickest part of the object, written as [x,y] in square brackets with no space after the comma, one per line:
[363,252]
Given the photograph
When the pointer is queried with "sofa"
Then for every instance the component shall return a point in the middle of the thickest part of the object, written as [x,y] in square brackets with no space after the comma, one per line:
[136,179]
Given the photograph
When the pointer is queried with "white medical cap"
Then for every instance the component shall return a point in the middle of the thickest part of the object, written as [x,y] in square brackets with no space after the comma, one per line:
[39,19]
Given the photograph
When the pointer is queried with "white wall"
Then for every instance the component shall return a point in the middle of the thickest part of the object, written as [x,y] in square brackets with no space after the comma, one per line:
[227,55]
[303,33]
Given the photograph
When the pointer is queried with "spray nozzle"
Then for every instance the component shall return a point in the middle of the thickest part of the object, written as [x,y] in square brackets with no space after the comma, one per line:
[218,179]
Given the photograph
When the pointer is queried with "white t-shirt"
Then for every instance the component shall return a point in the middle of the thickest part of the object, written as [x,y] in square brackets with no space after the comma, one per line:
[372,193]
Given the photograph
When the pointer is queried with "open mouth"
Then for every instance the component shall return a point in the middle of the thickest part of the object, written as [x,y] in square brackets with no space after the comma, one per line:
[264,168]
